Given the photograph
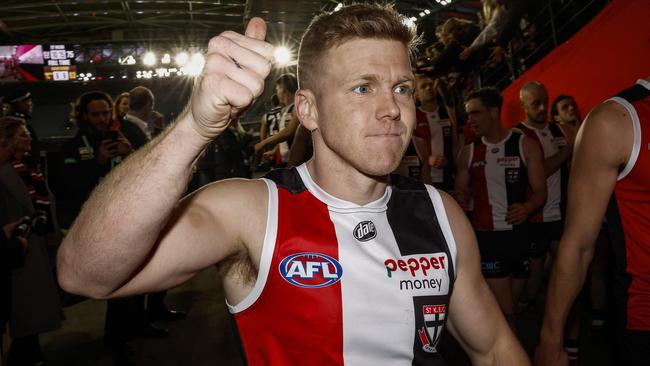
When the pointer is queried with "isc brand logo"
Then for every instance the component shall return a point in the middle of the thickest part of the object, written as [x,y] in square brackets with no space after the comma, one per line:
[311,270]
[365,231]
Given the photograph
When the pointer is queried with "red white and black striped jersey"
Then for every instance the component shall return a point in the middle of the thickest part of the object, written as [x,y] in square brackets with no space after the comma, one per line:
[498,178]
[344,284]
[551,139]
[628,216]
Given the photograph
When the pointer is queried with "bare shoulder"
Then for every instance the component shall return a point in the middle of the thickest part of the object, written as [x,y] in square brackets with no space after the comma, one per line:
[607,131]
[460,226]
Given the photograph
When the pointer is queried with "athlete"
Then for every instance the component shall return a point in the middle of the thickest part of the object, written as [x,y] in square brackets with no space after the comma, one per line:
[556,142]
[334,262]
[610,167]
[494,173]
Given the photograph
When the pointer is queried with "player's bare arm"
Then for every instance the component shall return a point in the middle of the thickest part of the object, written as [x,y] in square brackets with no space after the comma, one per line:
[519,212]
[475,318]
[132,235]
[596,164]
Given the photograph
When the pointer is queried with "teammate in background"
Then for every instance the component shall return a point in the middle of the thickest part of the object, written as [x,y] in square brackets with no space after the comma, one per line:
[495,173]
[285,276]
[609,173]
[564,111]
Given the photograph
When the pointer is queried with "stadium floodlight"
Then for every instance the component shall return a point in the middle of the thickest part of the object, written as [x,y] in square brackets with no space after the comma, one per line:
[410,22]
[282,55]
[149,59]
[166,59]
[338,7]
[427,11]
[182,58]
[195,65]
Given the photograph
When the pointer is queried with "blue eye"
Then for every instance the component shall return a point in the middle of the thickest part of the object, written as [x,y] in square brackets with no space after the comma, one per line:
[403,89]
[361,89]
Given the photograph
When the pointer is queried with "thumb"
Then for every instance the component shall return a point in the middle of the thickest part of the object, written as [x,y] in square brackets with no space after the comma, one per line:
[256,28]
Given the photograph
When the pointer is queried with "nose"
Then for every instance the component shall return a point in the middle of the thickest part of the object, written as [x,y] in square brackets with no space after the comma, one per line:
[388,107]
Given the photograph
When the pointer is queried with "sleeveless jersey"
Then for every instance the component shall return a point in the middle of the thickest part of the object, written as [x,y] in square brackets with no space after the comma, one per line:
[551,139]
[435,128]
[344,284]
[498,178]
[628,215]
[282,152]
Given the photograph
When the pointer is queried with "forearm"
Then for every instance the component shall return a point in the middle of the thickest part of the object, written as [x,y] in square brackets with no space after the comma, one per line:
[553,163]
[119,224]
[567,277]
[505,353]
[282,136]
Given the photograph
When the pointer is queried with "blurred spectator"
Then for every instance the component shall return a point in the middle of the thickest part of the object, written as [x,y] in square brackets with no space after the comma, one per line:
[35,304]
[21,106]
[516,10]
[494,18]
[120,109]
[455,34]
[134,124]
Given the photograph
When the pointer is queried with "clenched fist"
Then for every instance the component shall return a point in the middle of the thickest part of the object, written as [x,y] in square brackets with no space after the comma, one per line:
[233,76]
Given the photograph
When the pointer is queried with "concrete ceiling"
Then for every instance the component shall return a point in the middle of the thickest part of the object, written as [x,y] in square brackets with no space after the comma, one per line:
[162,21]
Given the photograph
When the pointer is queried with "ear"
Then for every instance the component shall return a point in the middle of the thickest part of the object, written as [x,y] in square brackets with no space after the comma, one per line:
[556,118]
[305,104]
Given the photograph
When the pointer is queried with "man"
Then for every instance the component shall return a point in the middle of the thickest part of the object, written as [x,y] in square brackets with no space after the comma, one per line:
[314,260]
[436,125]
[611,156]
[22,106]
[134,125]
[556,142]
[564,111]
[495,173]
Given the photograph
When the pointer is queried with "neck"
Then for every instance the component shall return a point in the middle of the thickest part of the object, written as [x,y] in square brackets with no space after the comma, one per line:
[496,134]
[430,106]
[337,178]
[535,124]
[139,114]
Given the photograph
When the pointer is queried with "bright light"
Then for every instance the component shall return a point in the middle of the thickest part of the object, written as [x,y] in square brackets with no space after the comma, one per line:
[422,14]
[166,59]
[338,7]
[149,59]
[182,58]
[282,55]
[195,66]
[409,22]
[427,11]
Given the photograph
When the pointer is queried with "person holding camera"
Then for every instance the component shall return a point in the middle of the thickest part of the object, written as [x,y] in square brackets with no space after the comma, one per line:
[33,294]
[89,156]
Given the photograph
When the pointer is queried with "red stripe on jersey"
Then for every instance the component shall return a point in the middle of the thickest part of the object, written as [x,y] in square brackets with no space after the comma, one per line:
[288,324]
[633,199]
[482,217]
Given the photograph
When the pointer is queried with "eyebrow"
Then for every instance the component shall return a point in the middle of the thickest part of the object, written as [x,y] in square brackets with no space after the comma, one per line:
[374,78]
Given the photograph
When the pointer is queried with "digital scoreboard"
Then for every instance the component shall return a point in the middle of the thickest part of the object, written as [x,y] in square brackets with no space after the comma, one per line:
[59,63]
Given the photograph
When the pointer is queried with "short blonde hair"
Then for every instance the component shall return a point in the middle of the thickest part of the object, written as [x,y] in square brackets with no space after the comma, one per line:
[332,29]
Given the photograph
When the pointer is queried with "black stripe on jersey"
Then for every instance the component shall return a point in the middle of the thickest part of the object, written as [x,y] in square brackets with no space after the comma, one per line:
[556,131]
[414,223]
[622,280]
[240,344]
[634,93]
[287,178]
[516,178]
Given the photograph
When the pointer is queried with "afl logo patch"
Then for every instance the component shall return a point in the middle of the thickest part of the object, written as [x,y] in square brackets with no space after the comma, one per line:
[311,270]
[365,231]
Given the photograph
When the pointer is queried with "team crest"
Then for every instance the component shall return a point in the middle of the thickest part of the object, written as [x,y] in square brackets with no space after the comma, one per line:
[434,324]
[512,175]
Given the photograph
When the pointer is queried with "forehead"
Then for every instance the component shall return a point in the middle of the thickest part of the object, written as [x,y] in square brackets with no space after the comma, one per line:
[385,59]
[474,104]
[566,101]
[535,94]
[98,105]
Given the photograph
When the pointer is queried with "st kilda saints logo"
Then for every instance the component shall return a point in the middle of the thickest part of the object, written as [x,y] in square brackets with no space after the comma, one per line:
[434,323]
[364,231]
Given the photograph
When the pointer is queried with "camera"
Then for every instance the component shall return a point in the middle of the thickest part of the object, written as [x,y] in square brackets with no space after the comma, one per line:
[37,224]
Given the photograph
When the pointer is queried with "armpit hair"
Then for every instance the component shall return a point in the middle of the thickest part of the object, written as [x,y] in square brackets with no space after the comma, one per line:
[239,267]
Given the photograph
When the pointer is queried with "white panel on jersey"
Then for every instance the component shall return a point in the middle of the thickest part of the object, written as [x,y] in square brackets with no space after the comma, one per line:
[268,247]
[495,174]
[551,146]
[636,148]
[441,214]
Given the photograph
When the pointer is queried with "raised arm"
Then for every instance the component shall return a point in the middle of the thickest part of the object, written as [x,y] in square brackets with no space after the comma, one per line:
[132,235]
[603,145]
[475,319]
[284,134]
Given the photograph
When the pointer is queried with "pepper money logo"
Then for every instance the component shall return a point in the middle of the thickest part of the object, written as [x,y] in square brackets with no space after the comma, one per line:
[311,270]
